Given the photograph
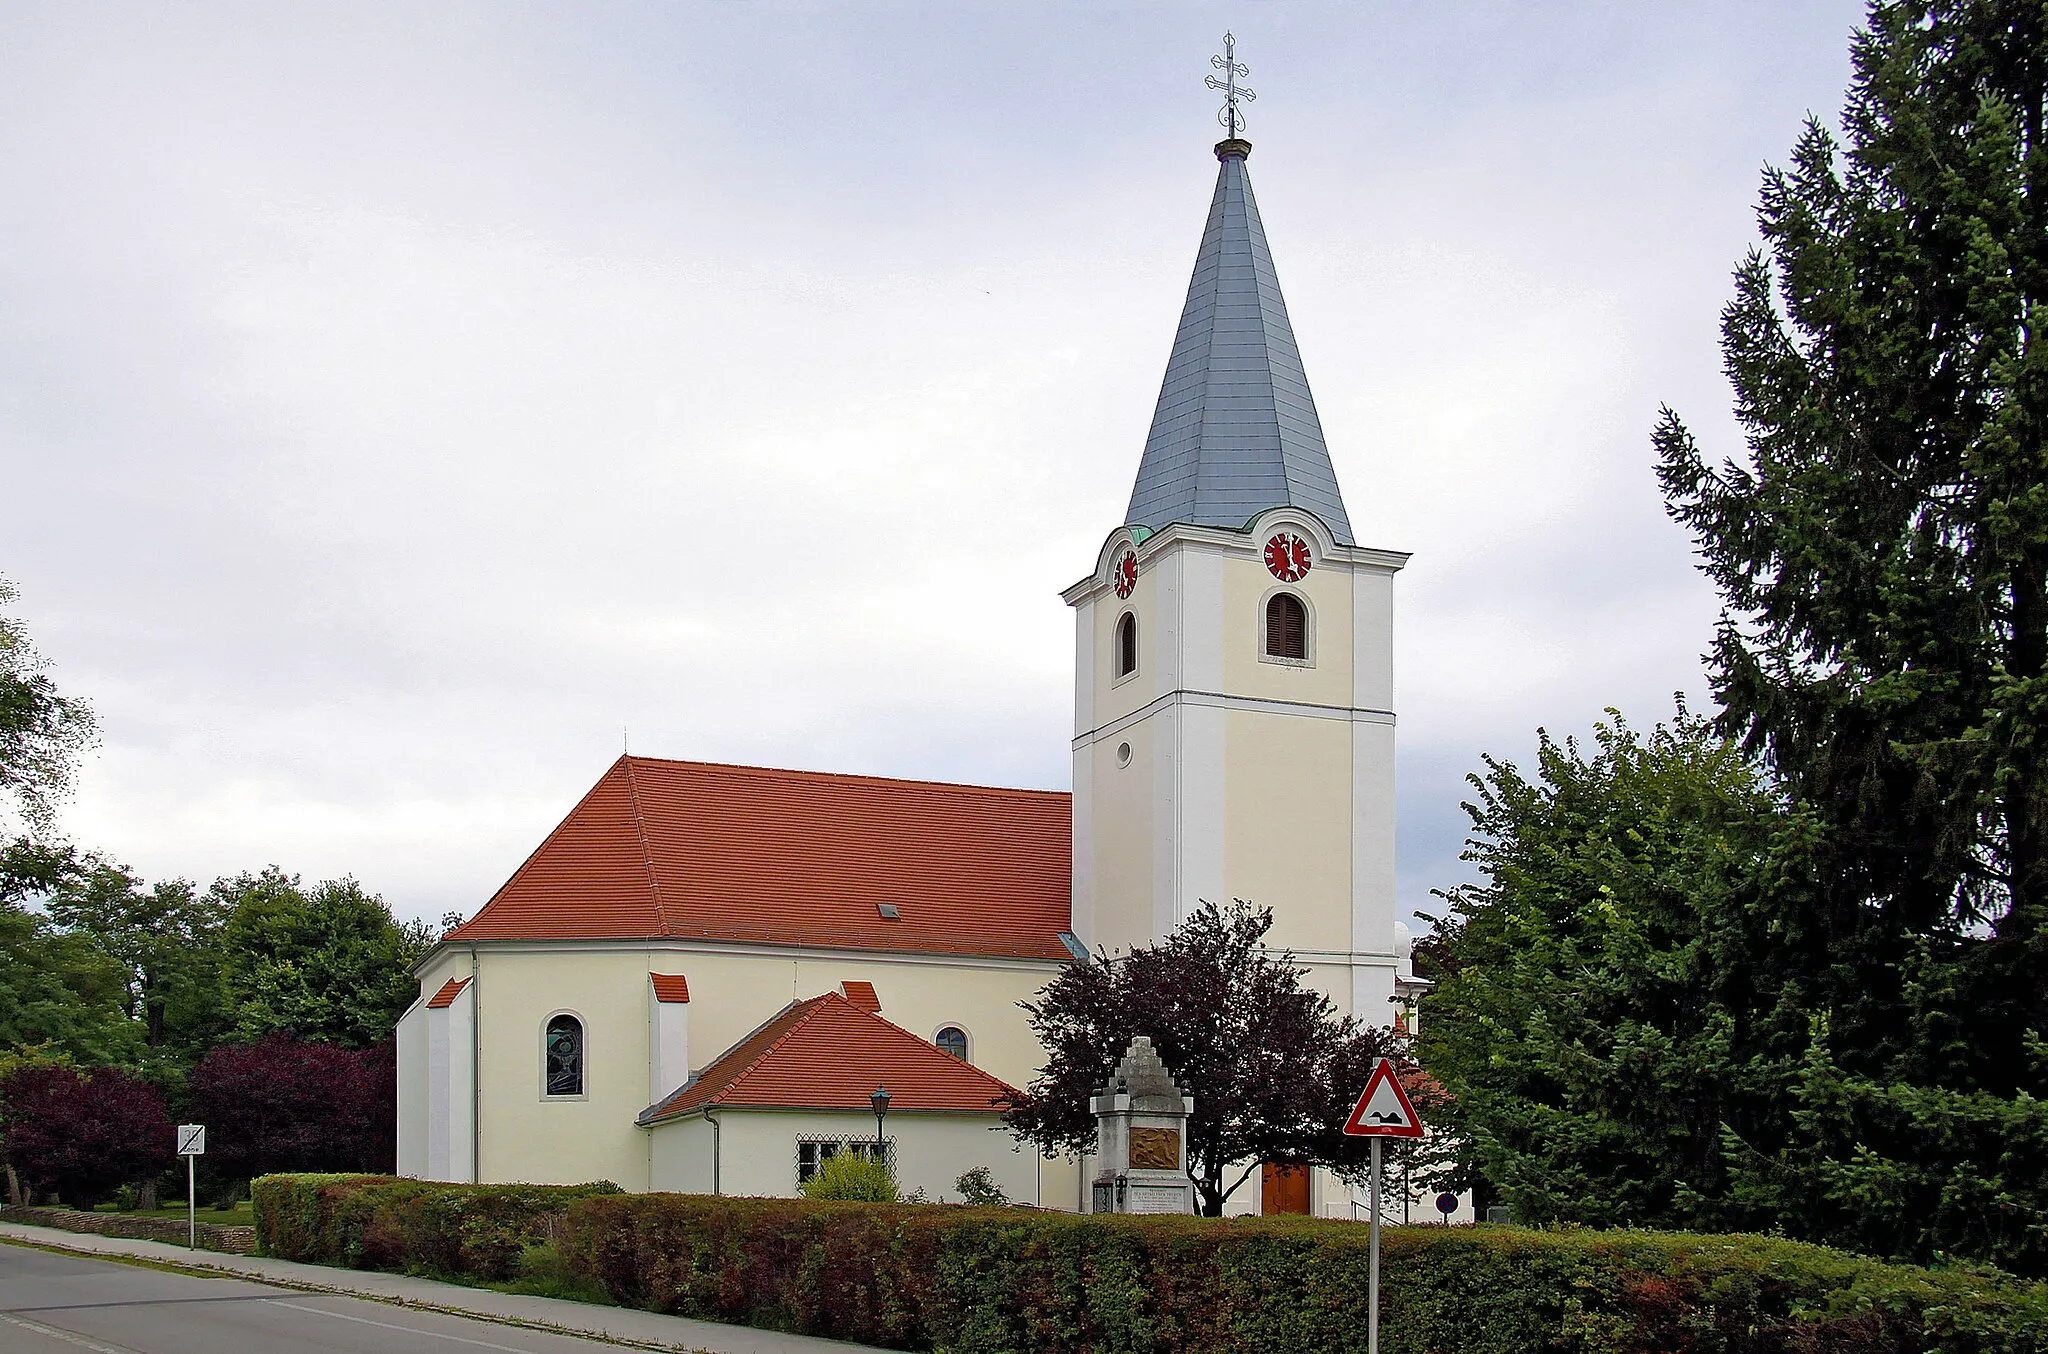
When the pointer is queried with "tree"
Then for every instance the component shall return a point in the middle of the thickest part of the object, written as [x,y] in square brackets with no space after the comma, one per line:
[1272,1065]
[81,1134]
[1595,1009]
[285,1104]
[164,941]
[1882,553]
[41,732]
[57,990]
[326,963]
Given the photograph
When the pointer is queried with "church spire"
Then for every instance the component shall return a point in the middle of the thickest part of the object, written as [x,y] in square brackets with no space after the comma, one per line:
[1235,431]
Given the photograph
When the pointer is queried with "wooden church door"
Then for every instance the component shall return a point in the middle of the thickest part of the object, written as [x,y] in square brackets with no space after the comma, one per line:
[1283,1189]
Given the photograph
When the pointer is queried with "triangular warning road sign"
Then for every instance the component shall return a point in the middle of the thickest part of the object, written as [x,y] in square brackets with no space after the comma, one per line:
[1384,1110]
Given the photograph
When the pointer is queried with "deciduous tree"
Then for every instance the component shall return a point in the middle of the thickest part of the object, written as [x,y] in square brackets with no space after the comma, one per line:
[328,963]
[164,939]
[82,1134]
[41,731]
[57,989]
[1597,1012]
[285,1104]
[1272,1065]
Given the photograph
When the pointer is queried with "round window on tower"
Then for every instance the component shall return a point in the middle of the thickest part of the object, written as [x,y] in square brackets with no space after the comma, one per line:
[1123,754]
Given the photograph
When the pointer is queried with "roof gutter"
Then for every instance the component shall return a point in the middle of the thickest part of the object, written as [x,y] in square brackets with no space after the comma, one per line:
[716,1144]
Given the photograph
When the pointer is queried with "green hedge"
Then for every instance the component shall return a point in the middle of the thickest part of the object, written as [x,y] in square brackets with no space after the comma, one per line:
[994,1279]
[377,1222]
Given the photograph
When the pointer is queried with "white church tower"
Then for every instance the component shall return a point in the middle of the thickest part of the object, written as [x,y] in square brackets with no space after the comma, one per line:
[1233,691]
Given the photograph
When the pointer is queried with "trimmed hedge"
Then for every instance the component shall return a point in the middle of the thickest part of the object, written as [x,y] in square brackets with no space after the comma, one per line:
[474,1232]
[970,1280]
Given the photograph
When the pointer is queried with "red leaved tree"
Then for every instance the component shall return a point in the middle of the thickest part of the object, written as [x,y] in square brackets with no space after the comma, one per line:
[1272,1064]
[82,1134]
[285,1104]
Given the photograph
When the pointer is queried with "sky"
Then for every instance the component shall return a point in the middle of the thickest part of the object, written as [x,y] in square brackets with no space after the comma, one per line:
[404,406]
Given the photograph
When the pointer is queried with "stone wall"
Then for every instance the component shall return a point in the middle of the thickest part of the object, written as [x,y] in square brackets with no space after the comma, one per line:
[212,1236]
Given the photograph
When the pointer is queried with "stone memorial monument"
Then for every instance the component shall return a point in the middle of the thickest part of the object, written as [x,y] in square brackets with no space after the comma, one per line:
[1141,1140]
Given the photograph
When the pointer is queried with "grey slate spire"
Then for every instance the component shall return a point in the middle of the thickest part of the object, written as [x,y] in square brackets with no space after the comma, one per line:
[1236,430]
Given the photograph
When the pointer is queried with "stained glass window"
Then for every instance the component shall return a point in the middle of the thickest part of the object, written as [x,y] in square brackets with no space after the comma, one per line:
[563,1062]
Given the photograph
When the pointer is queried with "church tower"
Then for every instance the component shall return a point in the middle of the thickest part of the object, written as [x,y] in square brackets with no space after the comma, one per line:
[1233,692]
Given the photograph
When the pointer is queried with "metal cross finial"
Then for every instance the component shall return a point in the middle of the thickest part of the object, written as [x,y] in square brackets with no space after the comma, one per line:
[1231,89]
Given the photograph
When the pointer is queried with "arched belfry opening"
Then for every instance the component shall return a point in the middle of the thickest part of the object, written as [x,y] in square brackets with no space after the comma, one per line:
[1286,627]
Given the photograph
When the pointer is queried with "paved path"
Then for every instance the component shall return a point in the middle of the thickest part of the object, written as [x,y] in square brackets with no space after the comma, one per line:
[65,1303]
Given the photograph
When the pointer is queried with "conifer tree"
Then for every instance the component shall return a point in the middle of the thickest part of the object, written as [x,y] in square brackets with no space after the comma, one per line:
[1882,552]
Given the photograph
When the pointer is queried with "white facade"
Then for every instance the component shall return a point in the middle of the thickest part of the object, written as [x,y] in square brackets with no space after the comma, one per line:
[499,1124]
[755,1152]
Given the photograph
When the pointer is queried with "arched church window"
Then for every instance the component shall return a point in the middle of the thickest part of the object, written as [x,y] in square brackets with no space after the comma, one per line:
[1126,644]
[1286,627]
[562,1056]
[952,1040]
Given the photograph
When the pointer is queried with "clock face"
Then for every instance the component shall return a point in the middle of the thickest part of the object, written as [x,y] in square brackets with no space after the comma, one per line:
[1126,574]
[1287,557]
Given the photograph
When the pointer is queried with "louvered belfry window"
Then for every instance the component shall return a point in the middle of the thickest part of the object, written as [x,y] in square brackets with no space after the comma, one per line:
[1286,627]
[1126,645]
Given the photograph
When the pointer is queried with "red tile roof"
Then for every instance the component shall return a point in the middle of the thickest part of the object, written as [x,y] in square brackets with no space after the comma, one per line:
[450,990]
[665,849]
[862,995]
[828,1054]
[670,987]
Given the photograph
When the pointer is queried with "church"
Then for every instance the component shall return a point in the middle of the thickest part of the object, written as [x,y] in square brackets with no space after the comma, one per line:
[710,978]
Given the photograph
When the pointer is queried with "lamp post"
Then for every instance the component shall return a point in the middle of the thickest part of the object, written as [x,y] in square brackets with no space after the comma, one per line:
[880,1100]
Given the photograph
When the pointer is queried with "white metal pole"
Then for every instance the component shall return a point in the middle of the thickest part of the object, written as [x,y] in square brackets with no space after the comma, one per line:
[192,1201]
[1372,1309]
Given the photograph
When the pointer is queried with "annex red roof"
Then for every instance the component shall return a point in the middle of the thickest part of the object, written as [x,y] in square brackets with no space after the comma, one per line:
[828,1054]
[666,849]
[450,990]
[670,987]
[862,995]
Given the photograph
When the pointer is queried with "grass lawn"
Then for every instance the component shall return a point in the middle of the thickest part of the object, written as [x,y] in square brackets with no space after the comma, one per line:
[242,1214]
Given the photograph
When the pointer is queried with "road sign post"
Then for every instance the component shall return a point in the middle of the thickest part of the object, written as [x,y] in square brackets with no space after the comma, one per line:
[191,1146]
[1383,1111]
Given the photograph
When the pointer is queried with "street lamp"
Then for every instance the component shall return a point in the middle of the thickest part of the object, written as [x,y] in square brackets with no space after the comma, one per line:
[880,1100]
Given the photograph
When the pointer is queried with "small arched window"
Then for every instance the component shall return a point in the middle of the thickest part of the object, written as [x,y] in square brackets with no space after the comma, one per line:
[1126,644]
[1286,627]
[562,1056]
[952,1040]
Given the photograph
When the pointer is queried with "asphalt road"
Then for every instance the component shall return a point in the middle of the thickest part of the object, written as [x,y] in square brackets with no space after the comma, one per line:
[62,1304]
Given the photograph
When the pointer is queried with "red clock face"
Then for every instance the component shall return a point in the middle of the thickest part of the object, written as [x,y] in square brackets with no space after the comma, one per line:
[1126,574]
[1287,557]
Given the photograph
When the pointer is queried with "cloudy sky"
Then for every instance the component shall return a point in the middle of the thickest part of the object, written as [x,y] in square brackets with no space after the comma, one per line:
[398,402]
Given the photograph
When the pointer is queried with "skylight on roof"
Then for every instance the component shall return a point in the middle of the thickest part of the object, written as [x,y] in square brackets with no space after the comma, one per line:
[889,911]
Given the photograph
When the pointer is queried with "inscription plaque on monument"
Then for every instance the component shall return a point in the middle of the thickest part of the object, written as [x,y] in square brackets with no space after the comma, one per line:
[1155,1149]
[1158,1199]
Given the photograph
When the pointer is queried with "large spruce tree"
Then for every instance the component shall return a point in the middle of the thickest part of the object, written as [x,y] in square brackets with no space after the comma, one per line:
[1883,554]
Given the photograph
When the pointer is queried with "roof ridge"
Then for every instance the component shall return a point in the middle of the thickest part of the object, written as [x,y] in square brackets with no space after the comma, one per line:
[912,782]
[646,850]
